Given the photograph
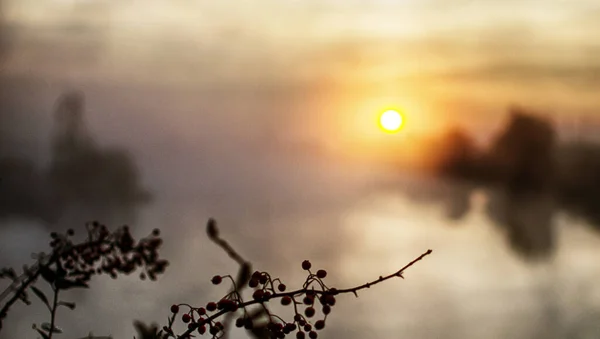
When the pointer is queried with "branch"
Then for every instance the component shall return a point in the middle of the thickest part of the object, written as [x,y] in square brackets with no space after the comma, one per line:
[326,292]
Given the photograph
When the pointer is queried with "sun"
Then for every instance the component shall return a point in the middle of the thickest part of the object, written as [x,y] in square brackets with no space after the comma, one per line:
[391,121]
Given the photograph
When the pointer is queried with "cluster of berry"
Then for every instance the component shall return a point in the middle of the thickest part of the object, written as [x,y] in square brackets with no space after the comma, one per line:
[204,319]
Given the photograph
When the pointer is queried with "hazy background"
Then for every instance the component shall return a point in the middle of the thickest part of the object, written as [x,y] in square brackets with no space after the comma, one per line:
[263,115]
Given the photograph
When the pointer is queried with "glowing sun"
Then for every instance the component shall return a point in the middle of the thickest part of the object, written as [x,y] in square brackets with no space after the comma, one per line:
[391,121]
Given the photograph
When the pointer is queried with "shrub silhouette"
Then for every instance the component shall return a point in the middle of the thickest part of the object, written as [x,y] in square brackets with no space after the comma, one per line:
[528,176]
[72,265]
[81,175]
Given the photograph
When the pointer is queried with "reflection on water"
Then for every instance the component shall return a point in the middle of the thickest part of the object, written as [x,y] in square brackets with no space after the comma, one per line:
[473,286]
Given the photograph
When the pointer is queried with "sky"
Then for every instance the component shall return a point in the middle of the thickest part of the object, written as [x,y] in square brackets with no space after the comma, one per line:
[459,62]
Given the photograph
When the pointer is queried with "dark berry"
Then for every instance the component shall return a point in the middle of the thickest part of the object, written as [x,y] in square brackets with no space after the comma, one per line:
[253,283]
[214,330]
[174,309]
[306,265]
[321,274]
[330,300]
[201,311]
[186,318]
[211,306]
[309,312]
[326,309]
[239,322]
[313,335]
[216,279]
[308,300]
[202,329]
[320,324]
[307,327]
[256,275]
[263,279]
[281,287]
[286,300]
[300,335]
[258,294]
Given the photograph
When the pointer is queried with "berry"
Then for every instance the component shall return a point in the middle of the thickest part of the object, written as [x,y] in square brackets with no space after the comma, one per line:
[202,329]
[321,274]
[186,318]
[326,309]
[239,323]
[192,326]
[309,312]
[298,317]
[256,275]
[289,327]
[248,324]
[308,300]
[211,306]
[281,287]
[307,327]
[300,335]
[214,330]
[253,283]
[330,299]
[258,294]
[312,335]
[174,309]
[216,279]
[306,265]
[320,324]
[263,279]
[201,311]
[286,300]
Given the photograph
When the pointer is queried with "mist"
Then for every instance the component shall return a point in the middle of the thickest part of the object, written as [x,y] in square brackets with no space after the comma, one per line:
[168,114]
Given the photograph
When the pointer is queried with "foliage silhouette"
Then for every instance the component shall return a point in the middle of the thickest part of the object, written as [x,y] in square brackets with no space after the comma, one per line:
[72,265]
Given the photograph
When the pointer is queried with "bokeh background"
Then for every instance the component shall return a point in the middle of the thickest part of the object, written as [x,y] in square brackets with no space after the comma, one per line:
[263,115]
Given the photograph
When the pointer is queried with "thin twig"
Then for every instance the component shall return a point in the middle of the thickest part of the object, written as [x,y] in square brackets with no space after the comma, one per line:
[304,290]
[53,311]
